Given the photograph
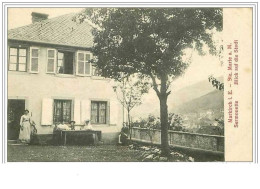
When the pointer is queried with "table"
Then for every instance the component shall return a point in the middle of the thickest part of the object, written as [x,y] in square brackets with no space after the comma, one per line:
[64,134]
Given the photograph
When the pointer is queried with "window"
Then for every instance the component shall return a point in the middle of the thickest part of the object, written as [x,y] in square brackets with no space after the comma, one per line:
[17,59]
[65,62]
[34,67]
[83,63]
[98,112]
[62,111]
[51,60]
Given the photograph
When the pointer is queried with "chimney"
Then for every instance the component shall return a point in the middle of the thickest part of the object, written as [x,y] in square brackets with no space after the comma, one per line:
[37,17]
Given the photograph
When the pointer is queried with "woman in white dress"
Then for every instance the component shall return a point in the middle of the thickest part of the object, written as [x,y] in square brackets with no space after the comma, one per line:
[25,128]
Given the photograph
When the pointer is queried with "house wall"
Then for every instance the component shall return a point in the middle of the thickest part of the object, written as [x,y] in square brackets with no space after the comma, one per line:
[34,87]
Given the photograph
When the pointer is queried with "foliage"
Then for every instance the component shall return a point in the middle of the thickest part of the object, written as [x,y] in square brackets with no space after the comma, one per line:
[154,154]
[151,42]
[175,122]
[216,83]
[151,122]
[211,130]
[130,91]
[221,122]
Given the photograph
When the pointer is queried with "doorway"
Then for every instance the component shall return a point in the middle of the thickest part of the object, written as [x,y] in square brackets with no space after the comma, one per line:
[15,111]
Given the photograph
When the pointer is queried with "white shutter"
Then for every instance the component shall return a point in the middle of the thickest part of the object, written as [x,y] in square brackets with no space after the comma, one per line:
[85,110]
[34,60]
[47,111]
[77,111]
[84,67]
[51,61]
[88,67]
[80,63]
[114,110]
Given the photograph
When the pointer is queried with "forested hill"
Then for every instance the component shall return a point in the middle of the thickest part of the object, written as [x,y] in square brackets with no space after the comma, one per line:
[212,100]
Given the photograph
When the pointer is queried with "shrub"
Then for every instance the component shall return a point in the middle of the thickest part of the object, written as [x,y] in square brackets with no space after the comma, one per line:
[175,122]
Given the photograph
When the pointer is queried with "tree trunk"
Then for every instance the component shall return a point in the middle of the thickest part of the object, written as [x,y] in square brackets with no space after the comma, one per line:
[164,126]
[164,116]
[129,124]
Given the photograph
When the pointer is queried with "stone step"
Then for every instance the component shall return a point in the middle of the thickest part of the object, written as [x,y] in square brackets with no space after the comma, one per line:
[18,144]
[12,142]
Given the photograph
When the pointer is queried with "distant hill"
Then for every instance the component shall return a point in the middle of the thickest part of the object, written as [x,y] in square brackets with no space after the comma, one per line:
[150,103]
[191,92]
[212,100]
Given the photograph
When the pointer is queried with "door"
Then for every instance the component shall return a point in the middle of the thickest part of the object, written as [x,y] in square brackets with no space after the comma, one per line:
[15,111]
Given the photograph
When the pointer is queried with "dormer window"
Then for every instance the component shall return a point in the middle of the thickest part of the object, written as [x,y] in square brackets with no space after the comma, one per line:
[17,59]
[65,62]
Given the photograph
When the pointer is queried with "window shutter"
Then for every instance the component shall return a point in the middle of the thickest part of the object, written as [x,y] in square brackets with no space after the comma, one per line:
[114,110]
[47,111]
[87,64]
[87,68]
[51,61]
[77,111]
[80,63]
[85,110]
[84,67]
[34,60]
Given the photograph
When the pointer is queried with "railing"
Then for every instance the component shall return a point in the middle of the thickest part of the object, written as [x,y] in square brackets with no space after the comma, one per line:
[214,143]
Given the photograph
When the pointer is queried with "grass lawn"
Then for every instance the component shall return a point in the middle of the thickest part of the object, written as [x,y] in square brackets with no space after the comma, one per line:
[109,153]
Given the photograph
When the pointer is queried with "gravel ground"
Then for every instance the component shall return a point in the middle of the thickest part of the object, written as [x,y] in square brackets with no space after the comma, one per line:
[104,153]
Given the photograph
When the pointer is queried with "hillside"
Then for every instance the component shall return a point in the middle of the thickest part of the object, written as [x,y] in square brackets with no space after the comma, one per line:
[150,104]
[191,92]
[212,100]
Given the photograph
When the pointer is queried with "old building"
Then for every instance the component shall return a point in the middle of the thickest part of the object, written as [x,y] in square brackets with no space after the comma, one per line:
[50,74]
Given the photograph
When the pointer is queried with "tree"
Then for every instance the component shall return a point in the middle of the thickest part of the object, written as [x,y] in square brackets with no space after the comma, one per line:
[219,52]
[175,122]
[151,125]
[129,93]
[215,83]
[151,42]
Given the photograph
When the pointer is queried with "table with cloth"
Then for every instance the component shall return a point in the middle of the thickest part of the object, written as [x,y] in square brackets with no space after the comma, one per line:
[78,137]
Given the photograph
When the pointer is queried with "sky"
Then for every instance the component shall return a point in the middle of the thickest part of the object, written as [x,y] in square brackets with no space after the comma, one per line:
[22,16]
[200,68]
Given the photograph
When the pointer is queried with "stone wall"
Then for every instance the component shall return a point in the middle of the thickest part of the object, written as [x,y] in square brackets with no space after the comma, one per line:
[203,142]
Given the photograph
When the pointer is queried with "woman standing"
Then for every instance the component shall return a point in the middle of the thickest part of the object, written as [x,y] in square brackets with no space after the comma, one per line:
[25,127]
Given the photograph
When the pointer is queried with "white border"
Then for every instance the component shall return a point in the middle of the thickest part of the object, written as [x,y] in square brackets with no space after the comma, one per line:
[132,175]
[154,4]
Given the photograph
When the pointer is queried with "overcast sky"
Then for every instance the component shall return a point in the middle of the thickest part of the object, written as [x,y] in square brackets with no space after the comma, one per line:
[201,66]
[22,16]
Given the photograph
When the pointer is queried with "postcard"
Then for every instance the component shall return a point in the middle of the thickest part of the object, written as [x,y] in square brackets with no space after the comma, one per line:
[129,84]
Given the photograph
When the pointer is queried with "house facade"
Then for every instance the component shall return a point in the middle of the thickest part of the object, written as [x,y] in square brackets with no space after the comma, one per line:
[50,74]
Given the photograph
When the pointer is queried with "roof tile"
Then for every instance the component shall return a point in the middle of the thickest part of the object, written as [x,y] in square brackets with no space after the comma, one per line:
[59,30]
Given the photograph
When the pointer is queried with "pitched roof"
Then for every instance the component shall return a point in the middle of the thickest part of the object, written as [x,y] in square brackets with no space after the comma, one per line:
[59,31]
